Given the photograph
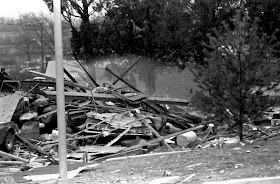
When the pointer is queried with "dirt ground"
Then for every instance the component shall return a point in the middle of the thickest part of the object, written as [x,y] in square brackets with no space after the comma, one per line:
[232,161]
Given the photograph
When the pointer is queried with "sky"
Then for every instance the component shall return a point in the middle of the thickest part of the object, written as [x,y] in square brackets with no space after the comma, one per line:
[12,8]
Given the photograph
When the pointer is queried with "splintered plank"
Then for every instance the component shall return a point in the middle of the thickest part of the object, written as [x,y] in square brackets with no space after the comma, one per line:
[167,100]
[100,149]
[8,105]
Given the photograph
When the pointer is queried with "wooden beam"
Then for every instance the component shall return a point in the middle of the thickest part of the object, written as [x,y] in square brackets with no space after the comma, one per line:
[127,70]
[53,78]
[4,154]
[11,162]
[110,97]
[69,75]
[92,79]
[33,147]
[138,146]
[153,130]
[119,136]
[119,78]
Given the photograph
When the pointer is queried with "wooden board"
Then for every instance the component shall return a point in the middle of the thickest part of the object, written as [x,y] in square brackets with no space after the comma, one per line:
[94,150]
[79,155]
[65,82]
[8,105]
[110,97]
[100,149]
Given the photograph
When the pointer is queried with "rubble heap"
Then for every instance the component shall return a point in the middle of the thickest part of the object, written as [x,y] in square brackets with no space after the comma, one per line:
[102,122]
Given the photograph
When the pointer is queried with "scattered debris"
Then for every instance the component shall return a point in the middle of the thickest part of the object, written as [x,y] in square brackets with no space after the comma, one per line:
[105,123]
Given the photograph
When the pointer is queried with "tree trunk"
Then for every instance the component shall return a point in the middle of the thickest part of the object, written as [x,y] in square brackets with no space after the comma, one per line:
[28,55]
[240,124]
[85,14]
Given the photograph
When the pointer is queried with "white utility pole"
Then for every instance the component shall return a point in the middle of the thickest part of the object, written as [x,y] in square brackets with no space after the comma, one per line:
[60,98]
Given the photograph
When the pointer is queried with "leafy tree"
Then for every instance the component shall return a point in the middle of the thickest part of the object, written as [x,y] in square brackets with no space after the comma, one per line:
[207,15]
[238,67]
[81,9]
[268,12]
[158,30]
[84,34]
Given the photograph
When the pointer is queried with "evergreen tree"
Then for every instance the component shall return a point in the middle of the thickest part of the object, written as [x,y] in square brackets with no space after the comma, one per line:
[238,67]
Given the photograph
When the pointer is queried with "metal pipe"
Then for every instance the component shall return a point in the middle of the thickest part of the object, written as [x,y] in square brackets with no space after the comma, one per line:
[61,123]
[42,48]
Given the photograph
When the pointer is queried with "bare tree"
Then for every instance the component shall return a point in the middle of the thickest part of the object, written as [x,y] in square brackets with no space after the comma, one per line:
[39,29]
[24,41]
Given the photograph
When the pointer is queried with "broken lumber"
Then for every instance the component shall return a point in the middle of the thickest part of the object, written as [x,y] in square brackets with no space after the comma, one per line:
[94,136]
[35,148]
[85,127]
[11,162]
[181,118]
[127,70]
[119,136]
[146,155]
[155,106]
[70,139]
[157,135]
[2,153]
[30,144]
[164,137]
[154,132]
[119,78]
[69,75]
[51,77]
[72,79]
[266,137]
[208,131]
[217,136]
[122,153]
[110,97]
[91,78]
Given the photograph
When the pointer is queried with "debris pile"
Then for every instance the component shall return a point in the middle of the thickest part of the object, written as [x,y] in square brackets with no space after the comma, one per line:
[102,122]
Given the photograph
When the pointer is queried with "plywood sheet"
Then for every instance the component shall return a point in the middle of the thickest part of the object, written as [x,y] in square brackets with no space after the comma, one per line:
[8,105]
